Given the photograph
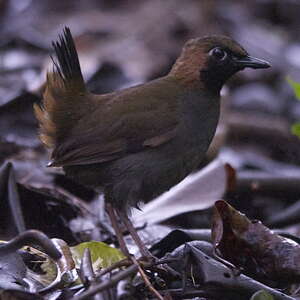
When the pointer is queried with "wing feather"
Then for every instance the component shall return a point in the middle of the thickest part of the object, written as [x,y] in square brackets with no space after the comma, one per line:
[123,124]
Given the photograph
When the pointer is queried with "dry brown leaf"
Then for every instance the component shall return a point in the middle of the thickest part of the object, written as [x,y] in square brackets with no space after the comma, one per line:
[253,246]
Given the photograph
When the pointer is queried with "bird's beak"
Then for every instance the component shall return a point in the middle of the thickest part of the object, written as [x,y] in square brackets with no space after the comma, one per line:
[252,62]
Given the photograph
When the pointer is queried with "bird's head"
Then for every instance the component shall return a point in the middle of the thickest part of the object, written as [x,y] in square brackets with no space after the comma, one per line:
[211,60]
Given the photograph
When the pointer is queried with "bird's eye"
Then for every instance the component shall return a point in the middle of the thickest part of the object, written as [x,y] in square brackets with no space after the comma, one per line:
[218,53]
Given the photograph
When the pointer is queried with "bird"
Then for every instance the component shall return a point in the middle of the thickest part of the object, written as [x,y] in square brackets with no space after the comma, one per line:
[136,143]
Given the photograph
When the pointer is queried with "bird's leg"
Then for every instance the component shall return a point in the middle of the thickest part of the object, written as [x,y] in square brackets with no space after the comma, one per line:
[128,224]
[114,222]
[112,215]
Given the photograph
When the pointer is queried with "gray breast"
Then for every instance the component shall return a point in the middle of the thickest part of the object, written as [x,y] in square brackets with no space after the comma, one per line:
[168,165]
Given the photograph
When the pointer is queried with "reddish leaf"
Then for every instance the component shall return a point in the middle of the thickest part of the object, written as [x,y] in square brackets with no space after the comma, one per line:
[253,246]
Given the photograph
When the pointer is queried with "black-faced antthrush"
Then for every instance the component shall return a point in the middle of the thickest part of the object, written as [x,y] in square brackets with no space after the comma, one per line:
[138,142]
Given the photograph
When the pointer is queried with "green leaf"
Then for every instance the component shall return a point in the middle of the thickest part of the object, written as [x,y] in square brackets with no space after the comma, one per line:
[296,129]
[102,255]
[296,87]
[262,295]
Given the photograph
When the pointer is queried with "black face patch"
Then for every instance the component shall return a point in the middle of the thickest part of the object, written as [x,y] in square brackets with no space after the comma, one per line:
[219,64]
[210,61]
[219,67]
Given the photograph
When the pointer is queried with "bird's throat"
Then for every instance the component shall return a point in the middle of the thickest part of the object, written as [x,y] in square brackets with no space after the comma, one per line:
[212,81]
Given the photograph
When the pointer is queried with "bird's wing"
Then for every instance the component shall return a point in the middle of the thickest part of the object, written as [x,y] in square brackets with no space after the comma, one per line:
[126,122]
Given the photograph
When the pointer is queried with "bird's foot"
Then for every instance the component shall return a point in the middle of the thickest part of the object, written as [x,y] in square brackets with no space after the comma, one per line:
[159,266]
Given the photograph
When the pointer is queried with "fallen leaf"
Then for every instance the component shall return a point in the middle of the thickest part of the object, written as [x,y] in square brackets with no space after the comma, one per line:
[262,253]
[102,255]
[262,295]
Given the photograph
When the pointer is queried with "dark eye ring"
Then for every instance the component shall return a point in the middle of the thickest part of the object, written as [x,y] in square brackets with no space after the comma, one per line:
[218,53]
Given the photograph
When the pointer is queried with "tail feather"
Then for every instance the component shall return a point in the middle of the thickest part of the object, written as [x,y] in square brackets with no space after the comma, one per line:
[68,66]
[65,93]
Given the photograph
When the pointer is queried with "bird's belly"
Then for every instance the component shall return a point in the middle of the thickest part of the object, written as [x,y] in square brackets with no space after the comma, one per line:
[143,175]
[168,168]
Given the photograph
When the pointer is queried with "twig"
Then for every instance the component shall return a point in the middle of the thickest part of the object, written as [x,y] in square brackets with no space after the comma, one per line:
[125,263]
[87,274]
[187,294]
[146,280]
[88,277]
[108,283]
[119,264]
